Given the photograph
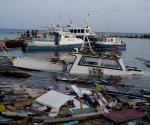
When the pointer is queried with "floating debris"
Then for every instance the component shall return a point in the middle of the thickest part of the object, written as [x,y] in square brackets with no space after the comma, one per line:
[145,61]
[9,71]
[70,104]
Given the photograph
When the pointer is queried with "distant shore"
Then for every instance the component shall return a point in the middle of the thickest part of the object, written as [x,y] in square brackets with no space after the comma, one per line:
[12,34]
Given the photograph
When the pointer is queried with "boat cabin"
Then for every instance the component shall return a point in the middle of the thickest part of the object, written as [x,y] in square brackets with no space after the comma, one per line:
[58,37]
[109,65]
[80,31]
[111,40]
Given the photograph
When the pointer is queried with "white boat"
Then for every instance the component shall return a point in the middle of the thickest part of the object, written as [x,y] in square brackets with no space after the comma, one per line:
[53,65]
[107,64]
[82,65]
[109,43]
[55,41]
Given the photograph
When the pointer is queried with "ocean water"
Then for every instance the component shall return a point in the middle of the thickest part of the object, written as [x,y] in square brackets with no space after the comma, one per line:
[136,48]
[9,33]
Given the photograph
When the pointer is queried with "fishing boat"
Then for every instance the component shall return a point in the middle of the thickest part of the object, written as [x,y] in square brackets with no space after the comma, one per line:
[106,64]
[109,43]
[54,41]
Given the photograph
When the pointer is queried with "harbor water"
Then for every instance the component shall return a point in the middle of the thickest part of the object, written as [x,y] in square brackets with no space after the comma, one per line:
[136,48]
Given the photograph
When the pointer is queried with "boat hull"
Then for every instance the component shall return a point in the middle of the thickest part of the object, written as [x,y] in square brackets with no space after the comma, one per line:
[37,64]
[101,46]
[84,70]
[52,48]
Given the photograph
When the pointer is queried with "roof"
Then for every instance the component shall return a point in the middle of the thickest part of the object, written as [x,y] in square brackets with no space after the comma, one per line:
[109,56]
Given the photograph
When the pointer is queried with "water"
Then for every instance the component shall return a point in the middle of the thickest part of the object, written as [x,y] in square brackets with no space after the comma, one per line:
[9,33]
[136,48]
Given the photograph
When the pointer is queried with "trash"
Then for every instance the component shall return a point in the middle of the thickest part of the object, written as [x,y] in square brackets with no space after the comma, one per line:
[132,123]
[39,107]
[80,91]
[100,88]
[80,117]
[5,119]
[84,111]
[23,103]
[146,62]
[34,93]
[91,102]
[102,101]
[15,114]
[54,102]
[53,113]
[77,104]
[124,115]
[113,79]
[2,108]
[71,123]
[70,104]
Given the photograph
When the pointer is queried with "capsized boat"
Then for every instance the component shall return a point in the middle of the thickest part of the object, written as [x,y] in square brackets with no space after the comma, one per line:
[107,64]
[109,43]
[56,40]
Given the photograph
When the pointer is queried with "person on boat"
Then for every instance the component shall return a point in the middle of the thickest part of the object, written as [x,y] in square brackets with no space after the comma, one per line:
[57,38]
[28,34]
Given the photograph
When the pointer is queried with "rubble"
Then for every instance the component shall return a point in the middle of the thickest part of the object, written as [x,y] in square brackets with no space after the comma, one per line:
[71,104]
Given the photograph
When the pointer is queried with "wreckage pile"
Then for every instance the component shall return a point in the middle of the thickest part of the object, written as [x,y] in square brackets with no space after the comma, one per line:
[70,104]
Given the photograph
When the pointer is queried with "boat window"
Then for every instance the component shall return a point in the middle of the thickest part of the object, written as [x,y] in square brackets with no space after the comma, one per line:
[69,36]
[71,30]
[75,31]
[78,30]
[82,30]
[89,61]
[108,63]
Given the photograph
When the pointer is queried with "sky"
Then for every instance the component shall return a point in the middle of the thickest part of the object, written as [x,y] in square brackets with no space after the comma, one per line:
[105,15]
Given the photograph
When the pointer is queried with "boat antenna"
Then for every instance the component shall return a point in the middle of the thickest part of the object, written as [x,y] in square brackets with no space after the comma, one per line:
[70,22]
[87,20]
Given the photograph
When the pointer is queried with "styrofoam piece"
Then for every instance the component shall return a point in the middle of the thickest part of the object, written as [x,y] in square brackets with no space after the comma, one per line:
[53,99]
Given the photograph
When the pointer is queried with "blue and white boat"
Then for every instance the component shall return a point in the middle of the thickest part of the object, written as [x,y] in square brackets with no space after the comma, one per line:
[110,43]
[54,41]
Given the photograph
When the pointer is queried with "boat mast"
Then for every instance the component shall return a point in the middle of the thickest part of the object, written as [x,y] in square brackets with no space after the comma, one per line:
[86,36]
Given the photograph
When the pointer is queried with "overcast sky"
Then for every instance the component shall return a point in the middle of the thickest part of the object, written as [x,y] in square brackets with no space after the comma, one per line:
[105,15]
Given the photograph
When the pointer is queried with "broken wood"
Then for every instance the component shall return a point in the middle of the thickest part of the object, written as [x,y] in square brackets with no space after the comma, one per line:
[81,117]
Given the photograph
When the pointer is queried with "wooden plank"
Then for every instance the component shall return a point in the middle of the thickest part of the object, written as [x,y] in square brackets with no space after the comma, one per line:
[80,117]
